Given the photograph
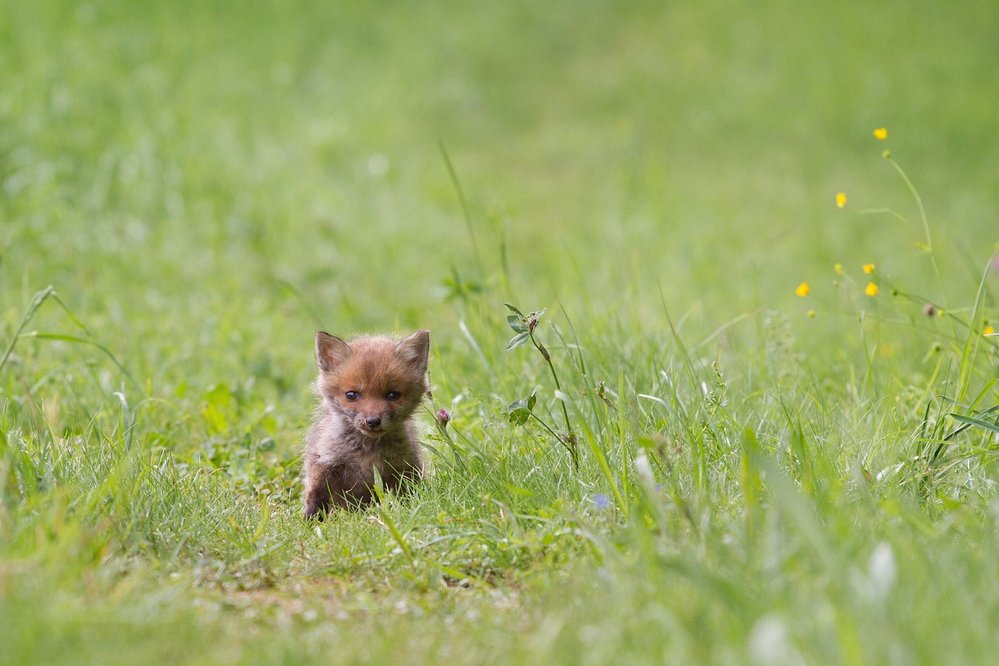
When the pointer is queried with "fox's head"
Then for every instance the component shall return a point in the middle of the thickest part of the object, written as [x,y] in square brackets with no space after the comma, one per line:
[375,383]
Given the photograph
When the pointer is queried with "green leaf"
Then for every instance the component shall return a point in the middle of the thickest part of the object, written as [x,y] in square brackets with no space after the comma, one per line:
[752,482]
[520,416]
[517,490]
[513,308]
[976,422]
[517,323]
[217,407]
[519,411]
[659,401]
[517,340]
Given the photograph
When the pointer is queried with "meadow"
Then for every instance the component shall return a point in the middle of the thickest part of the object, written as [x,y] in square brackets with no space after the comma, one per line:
[767,432]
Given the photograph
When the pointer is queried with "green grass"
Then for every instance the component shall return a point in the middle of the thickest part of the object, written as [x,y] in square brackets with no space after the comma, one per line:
[762,478]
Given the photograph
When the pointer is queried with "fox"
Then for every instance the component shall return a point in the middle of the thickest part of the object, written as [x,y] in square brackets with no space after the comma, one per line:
[368,390]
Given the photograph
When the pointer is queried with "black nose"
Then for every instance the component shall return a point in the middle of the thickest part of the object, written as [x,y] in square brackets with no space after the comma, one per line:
[373,421]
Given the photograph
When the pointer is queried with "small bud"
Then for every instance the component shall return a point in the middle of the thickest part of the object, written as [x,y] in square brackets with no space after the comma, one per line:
[929,310]
[443,417]
[886,154]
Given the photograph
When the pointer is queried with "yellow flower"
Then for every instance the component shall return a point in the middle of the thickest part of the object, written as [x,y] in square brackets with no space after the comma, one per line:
[838,268]
[881,134]
[988,330]
[871,289]
[840,199]
[868,268]
[802,290]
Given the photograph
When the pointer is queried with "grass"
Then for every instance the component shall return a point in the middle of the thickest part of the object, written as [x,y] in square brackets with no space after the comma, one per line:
[188,192]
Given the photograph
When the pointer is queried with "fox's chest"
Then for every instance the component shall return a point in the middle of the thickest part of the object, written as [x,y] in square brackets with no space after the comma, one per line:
[370,462]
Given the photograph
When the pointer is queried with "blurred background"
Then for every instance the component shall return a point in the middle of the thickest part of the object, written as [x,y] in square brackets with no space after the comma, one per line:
[216,180]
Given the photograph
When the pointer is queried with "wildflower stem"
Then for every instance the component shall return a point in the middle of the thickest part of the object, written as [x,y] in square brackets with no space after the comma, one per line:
[546,426]
[570,438]
[926,226]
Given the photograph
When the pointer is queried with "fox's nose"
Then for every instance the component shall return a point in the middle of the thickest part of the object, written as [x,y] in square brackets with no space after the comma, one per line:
[373,421]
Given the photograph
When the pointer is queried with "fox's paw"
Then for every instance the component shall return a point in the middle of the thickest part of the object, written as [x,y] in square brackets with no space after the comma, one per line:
[314,511]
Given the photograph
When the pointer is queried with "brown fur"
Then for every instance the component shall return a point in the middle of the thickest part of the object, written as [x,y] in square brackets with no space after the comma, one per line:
[349,439]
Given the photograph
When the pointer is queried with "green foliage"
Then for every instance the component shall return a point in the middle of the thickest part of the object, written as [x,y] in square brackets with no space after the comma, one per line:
[679,462]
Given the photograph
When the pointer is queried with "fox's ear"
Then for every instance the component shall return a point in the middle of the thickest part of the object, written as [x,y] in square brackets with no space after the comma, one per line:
[414,350]
[331,351]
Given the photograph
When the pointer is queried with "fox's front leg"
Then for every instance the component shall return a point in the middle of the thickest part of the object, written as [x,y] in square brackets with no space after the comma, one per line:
[335,486]
[323,483]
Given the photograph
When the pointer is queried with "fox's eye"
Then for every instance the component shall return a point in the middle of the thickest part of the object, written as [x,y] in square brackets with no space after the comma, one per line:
[392,396]
[352,395]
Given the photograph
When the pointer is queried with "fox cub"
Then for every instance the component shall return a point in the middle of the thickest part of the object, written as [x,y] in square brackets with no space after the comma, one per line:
[368,390]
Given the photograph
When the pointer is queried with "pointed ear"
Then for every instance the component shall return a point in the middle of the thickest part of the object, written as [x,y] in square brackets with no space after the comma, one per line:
[414,350]
[331,351]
